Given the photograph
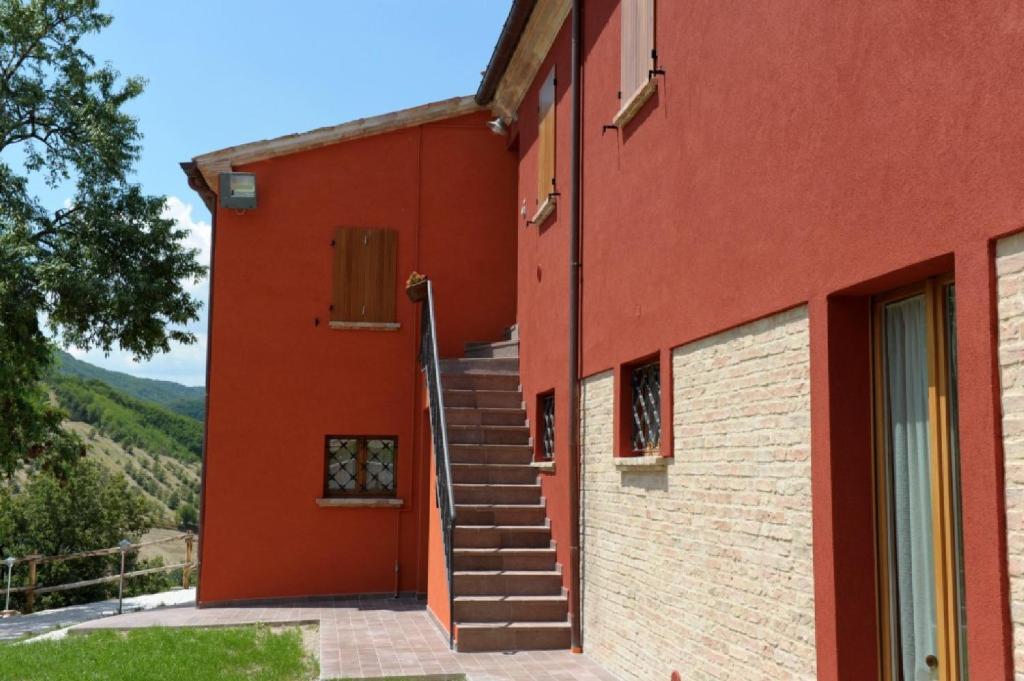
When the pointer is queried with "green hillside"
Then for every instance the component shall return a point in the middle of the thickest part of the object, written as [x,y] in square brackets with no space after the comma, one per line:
[182,399]
[129,421]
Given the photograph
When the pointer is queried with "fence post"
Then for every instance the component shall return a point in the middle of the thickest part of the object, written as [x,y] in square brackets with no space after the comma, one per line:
[30,594]
[186,572]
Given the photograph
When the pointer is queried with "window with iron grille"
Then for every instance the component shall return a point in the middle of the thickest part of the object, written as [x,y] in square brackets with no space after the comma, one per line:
[360,466]
[547,422]
[646,407]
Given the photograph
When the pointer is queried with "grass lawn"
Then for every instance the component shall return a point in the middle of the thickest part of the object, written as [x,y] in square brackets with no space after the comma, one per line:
[243,653]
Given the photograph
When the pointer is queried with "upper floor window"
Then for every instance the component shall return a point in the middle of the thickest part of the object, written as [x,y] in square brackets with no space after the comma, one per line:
[364,276]
[360,466]
[637,57]
[546,139]
[646,402]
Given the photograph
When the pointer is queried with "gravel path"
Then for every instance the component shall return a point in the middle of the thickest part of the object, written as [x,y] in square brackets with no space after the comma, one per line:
[53,623]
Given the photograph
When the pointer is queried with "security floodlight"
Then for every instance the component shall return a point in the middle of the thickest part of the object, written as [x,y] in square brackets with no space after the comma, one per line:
[238,191]
[498,126]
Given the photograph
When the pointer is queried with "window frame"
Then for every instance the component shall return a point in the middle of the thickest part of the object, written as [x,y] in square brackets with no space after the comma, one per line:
[644,58]
[547,154]
[351,278]
[623,427]
[540,450]
[361,455]
[951,648]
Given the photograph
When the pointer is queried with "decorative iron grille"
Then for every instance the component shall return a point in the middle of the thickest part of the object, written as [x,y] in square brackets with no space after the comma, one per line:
[547,436]
[360,466]
[647,407]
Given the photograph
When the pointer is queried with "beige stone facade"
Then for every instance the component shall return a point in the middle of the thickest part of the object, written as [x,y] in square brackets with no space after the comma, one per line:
[704,566]
[1010,274]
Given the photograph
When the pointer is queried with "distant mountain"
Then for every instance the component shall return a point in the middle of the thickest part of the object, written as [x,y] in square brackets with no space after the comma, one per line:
[127,420]
[186,400]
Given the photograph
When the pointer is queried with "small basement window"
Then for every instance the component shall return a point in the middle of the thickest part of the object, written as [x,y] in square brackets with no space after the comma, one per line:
[646,403]
[360,466]
[546,410]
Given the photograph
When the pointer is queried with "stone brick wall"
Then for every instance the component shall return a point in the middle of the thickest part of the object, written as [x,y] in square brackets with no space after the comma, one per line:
[705,566]
[1010,275]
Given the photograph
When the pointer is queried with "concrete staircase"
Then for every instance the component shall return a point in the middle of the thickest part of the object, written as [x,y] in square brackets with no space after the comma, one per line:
[508,591]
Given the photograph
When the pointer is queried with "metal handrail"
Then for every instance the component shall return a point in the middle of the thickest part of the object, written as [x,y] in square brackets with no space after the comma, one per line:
[430,363]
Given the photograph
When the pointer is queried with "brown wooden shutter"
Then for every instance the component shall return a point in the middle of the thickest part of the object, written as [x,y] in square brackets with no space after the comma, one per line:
[546,138]
[364,275]
[637,51]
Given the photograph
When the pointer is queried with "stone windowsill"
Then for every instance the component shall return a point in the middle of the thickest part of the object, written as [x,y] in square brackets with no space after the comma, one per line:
[545,210]
[633,105]
[367,326]
[359,502]
[642,462]
[544,466]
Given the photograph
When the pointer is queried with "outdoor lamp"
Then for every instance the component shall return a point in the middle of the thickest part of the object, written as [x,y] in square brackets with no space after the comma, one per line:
[124,545]
[498,126]
[9,562]
[238,191]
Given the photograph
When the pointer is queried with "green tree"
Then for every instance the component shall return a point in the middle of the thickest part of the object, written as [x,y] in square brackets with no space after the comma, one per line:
[85,508]
[104,270]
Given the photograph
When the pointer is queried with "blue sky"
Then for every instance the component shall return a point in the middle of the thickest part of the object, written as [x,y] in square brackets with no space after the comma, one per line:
[223,72]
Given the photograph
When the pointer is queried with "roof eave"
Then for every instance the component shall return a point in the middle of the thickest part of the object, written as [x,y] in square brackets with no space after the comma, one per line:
[211,164]
[508,40]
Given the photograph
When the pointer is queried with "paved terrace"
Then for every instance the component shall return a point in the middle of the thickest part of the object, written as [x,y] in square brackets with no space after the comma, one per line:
[373,638]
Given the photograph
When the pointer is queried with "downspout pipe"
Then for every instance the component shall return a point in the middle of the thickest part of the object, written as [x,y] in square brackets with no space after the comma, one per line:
[576,624]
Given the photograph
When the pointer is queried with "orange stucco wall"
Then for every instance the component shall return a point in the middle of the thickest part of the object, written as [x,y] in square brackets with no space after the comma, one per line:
[794,153]
[280,382]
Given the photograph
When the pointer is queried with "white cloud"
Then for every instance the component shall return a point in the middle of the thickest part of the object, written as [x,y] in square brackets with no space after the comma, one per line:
[184,363]
[199,233]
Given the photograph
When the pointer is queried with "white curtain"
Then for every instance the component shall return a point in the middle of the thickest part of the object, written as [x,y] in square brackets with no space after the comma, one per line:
[907,388]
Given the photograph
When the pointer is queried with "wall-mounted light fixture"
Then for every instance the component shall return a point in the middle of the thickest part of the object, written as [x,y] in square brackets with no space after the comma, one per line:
[498,126]
[238,191]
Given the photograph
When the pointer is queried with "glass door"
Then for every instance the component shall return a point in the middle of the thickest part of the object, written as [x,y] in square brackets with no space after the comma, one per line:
[920,565]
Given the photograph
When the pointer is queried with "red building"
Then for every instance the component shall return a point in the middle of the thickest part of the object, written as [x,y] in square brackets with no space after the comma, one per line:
[759,412]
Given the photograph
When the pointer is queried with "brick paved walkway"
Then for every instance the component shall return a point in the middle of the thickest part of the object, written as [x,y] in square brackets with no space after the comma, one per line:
[374,638]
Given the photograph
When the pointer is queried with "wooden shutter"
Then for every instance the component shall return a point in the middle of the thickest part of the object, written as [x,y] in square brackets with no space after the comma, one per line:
[546,138]
[637,45]
[364,275]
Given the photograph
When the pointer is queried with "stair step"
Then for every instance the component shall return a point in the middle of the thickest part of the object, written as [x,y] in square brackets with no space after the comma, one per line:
[501,536]
[476,637]
[506,348]
[476,416]
[494,473]
[488,365]
[480,381]
[472,493]
[500,514]
[486,399]
[488,435]
[466,453]
[523,558]
[507,583]
[511,608]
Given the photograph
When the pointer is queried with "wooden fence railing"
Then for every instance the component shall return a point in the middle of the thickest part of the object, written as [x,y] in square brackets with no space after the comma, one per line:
[32,589]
